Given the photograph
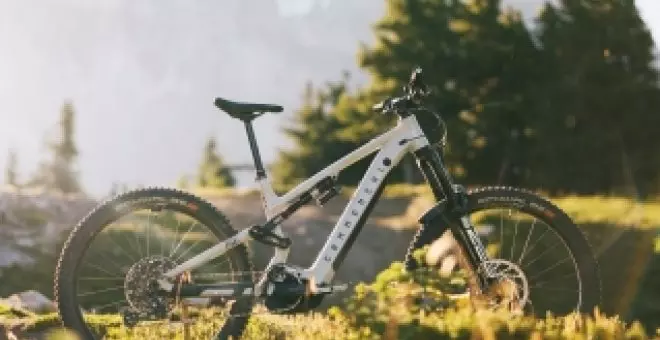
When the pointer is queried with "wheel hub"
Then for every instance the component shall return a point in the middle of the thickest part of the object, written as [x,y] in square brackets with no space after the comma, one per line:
[140,284]
[509,288]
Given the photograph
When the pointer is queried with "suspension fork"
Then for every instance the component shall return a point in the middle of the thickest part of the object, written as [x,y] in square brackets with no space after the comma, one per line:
[451,209]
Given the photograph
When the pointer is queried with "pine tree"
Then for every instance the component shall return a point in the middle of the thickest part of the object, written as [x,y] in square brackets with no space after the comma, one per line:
[600,111]
[316,133]
[183,182]
[563,108]
[479,61]
[58,173]
[212,171]
[476,58]
[11,171]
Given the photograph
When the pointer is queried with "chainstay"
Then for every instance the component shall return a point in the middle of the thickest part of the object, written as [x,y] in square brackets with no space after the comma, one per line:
[258,307]
[254,275]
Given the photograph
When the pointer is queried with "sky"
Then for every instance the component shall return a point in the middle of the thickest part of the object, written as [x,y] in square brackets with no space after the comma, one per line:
[142,75]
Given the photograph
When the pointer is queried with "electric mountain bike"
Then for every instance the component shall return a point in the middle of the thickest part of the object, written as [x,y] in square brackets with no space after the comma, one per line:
[183,256]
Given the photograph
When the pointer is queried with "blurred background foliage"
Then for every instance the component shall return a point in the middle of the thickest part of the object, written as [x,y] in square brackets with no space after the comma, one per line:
[569,107]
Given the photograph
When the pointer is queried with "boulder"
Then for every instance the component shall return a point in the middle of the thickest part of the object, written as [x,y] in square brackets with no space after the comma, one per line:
[32,301]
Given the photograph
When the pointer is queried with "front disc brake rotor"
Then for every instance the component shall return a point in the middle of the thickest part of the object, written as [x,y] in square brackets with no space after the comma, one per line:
[510,288]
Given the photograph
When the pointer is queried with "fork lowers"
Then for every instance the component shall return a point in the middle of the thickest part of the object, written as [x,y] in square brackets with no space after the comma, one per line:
[448,212]
[531,238]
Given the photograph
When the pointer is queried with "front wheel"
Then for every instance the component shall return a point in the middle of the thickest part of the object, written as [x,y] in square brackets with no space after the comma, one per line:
[538,256]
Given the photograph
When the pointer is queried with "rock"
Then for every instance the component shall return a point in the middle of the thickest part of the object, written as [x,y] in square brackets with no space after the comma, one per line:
[6,333]
[441,248]
[37,221]
[32,301]
[444,251]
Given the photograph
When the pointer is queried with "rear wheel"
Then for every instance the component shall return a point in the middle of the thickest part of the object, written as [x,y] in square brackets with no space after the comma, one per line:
[107,264]
[541,260]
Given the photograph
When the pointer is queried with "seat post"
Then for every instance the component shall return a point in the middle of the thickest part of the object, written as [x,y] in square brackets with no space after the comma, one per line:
[259,166]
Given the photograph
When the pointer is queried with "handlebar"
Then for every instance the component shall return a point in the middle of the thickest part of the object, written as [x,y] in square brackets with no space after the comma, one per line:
[415,90]
[416,85]
[394,104]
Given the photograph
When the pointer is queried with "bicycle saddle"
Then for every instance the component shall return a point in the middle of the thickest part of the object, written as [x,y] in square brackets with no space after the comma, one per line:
[238,109]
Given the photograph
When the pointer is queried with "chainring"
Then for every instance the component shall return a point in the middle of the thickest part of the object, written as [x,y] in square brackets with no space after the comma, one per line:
[281,303]
[278,281]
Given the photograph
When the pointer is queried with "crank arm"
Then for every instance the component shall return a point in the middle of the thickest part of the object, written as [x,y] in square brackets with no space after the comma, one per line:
[235,290]
[229,290]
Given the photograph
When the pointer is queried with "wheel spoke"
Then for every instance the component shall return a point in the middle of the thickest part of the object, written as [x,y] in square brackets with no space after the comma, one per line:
[108,304]
[119,246]
[88,278]
[192,226]
[549,268]
[176,233]
[556,244]
[98,268]
[559,277]
[187,250]
[501,233]
[529,235]
[515,234]
[554,288]
[102,291]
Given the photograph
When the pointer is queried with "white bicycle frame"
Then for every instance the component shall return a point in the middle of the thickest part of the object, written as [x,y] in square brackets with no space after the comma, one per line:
[405,137]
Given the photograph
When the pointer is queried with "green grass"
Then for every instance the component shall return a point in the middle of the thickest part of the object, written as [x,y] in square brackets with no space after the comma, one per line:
[625,233]
[454,323]
[11,312]
[396,305]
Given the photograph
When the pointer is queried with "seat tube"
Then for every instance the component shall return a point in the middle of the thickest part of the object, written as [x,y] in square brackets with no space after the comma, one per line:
[258,165]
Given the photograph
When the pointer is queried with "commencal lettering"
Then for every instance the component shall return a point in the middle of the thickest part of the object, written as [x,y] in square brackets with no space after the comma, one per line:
[357,208]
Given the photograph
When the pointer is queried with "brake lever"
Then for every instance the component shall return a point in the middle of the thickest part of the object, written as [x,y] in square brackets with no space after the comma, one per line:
[384,106]
[416,87]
